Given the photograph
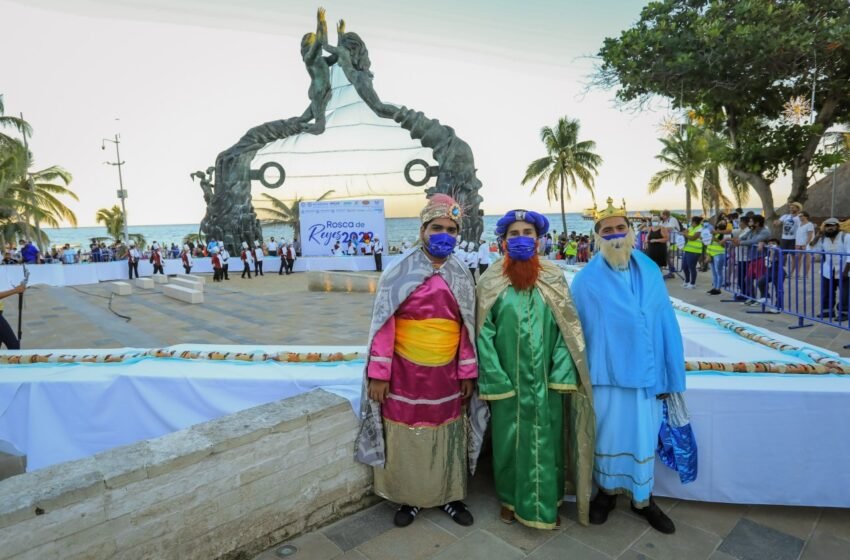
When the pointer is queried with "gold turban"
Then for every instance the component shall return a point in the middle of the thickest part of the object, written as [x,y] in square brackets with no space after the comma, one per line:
[441,206]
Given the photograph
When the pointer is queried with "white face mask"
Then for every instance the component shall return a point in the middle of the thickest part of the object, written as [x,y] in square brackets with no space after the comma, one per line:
[655,223]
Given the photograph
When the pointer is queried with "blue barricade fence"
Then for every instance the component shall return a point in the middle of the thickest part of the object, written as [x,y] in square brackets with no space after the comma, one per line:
[807,284]
[810,285]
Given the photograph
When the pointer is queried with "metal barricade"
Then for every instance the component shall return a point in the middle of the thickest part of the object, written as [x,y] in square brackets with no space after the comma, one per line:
[818,288]
[809,285]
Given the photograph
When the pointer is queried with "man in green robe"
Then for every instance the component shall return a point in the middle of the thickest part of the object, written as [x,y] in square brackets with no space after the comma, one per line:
[532,370]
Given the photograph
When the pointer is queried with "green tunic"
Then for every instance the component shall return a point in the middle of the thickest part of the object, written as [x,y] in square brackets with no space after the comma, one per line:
[524,369]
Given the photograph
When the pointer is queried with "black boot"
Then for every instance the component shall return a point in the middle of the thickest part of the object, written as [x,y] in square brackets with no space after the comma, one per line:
[601,506]
[658,520]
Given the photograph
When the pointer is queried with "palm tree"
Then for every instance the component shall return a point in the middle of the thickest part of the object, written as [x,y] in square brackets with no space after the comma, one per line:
[30,198]
[194,238]
[18,124]
[568,162]
[685,154]
[113,219]
[281,213]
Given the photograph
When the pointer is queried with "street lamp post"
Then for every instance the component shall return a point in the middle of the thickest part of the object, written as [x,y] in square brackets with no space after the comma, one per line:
[122,194]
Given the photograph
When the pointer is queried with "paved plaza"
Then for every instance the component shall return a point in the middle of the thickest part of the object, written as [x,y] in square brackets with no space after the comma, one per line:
[279,310]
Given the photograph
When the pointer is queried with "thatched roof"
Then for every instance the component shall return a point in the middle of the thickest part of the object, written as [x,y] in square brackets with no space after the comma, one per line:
[820,196]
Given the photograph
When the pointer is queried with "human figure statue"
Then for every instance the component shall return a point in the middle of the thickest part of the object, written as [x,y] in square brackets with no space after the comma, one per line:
[353,58]
[318,67]
[206,182]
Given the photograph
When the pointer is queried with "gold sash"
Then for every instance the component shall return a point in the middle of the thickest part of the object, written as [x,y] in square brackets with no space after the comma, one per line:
[427,342]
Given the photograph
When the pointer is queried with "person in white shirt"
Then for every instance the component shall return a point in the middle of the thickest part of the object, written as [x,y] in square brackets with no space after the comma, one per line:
[805,234]
[258,259]
[289,255]
[377,249]
[835,269]
[224,255]
[789,223]
[247,260]
[337,250]
[472,259]
[133,256]
[673,227]
[364,247]
[271,247]
[186,257]
[352,249]
[483,256]
[461,252]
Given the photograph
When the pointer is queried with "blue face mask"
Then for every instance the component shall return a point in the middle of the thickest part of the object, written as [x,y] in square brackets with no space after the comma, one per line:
[521,248]
[614,236]
[440,245]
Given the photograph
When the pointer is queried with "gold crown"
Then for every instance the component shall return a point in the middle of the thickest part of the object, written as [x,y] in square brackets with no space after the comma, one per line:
[611,211]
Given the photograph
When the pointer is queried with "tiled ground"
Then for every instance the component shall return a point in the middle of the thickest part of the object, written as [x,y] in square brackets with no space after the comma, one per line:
[279,310]
[271,309]
[703,532]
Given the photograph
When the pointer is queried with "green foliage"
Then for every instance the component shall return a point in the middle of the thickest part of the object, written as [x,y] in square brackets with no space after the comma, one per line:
[113,220]
[280,213]
[568,162]
[29,198]
[195,238]
[738,62]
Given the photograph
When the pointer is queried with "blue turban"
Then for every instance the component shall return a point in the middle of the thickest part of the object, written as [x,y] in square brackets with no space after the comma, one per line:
[539,221]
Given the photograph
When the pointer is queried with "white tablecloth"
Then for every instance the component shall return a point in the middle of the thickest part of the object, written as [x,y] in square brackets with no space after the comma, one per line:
[767,440]
[762,439]
[56,413]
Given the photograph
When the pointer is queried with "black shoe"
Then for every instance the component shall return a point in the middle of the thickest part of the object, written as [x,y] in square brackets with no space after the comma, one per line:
[826,315]
[658,520]
[459,513]
[601,506]
[405,516]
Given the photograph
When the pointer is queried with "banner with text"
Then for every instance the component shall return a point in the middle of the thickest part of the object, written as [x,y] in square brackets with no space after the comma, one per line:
[324,223]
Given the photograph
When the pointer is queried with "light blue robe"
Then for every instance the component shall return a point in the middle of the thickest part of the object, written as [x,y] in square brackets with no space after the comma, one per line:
[635,352]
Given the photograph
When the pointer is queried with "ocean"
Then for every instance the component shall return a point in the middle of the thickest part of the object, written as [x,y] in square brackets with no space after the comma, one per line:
[398,229]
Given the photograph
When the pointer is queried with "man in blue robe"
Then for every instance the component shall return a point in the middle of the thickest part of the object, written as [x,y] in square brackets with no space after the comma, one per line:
[636,359]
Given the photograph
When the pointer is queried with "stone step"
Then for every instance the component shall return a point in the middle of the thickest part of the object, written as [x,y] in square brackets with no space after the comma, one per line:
[186,283]
[183,293]
[122,288]
[144,283]
[160,279]
[198,279]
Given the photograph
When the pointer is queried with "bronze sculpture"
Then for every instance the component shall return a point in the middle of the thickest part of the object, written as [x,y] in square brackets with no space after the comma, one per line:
[230,216]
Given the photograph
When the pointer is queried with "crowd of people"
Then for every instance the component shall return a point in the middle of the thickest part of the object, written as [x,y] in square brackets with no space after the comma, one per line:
[746,258]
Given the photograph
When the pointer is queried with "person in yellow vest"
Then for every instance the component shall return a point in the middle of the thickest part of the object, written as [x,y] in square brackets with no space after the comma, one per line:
[692,252]
[571,250]
[716,251]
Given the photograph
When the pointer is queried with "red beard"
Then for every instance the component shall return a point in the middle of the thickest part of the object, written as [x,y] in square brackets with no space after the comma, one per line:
[522,274]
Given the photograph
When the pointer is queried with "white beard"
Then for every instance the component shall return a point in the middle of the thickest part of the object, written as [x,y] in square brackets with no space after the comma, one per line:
[617,252]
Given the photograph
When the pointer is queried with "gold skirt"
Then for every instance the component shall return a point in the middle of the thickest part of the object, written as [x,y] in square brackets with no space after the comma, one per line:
[426,466]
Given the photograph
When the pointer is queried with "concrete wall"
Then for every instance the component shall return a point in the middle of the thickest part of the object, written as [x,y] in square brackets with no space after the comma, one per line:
[228,488]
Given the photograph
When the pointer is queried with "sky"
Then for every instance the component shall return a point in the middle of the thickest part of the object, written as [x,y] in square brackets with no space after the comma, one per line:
[182,80]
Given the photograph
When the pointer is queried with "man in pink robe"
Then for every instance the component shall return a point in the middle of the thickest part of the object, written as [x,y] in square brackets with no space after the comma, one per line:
[421,369]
